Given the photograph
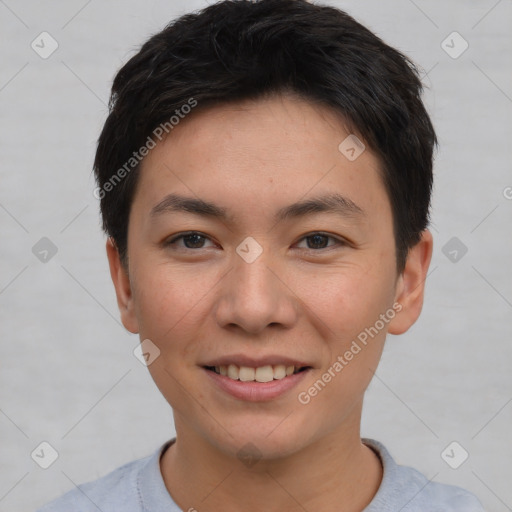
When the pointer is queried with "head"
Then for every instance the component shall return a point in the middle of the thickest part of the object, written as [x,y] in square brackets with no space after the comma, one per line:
[220,125]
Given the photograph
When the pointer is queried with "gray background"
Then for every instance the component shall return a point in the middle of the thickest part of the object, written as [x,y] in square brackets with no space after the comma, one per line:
[68,373]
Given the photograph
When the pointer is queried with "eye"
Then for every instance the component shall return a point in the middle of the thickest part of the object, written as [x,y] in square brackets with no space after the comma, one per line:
[196,240]
[192,240]
[320,241]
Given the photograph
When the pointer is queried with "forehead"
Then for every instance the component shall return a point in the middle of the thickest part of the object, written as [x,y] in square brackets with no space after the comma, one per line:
[261,154]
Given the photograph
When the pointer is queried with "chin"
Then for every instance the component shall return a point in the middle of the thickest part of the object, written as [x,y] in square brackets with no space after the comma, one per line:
[260,438]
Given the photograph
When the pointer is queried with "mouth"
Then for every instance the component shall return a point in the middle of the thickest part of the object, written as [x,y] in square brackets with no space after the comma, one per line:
[267,373]
[263,382]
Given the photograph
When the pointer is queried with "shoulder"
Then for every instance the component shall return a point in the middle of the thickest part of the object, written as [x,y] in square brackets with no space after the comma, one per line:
[406,489]
[113,492]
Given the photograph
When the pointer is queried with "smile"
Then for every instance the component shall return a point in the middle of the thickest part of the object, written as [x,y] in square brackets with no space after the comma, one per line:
[266,373]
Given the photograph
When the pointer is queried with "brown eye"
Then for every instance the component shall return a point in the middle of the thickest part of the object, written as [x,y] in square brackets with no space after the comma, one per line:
[191,240]
[317,241]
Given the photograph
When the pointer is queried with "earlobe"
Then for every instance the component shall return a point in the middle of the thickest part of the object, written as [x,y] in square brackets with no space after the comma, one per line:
[122,287]
[411,285]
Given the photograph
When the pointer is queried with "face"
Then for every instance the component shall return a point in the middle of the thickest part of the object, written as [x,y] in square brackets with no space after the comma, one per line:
[256,281]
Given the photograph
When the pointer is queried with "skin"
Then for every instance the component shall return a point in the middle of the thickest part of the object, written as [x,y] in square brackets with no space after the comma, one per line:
[202,301]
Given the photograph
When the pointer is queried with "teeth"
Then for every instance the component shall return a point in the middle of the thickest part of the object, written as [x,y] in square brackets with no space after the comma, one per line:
[233,372]
[260,374]
[246,373]
[279,371]
[264,374]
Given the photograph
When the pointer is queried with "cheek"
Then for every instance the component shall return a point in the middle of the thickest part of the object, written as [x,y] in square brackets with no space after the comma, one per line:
[352,306]
[167,303]
[352,303]
[363,326]
[347,299]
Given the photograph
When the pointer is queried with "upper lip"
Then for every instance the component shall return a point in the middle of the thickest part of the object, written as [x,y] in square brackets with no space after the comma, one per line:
[255,362]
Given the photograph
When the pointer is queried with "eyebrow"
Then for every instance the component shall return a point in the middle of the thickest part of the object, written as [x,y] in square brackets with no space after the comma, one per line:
[330,203]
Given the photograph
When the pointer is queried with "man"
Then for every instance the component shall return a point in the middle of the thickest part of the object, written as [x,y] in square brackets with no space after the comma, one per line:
[265,176]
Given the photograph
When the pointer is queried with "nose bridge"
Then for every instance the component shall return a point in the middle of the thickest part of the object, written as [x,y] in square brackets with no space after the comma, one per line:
[253,296]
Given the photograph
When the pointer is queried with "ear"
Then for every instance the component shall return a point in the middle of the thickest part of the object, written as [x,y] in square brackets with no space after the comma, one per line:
[411,285]
[123,288]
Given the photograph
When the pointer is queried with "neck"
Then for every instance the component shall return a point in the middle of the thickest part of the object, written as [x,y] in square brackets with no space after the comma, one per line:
[334,473]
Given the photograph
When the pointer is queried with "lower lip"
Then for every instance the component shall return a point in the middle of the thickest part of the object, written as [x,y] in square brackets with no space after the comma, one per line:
[256,391]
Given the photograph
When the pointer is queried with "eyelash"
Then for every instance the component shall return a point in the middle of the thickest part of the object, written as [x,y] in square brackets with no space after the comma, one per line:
[173,240]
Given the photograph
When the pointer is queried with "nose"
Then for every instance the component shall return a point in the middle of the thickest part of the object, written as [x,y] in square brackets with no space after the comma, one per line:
[255,296]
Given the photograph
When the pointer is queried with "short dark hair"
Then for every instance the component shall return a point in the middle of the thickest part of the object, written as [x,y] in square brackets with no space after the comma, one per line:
[240,50]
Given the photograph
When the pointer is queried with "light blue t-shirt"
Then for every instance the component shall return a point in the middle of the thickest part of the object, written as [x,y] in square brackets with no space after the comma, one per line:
[138,486]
